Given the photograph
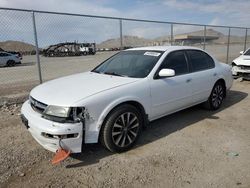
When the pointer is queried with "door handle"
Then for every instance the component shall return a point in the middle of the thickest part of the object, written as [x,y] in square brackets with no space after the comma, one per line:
[189,80]
[215,74]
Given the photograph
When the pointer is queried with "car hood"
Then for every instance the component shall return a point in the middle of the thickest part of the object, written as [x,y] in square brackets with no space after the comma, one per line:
[68,90]
[242,60]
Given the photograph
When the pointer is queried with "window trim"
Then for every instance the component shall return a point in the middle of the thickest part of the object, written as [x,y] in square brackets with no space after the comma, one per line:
[190,62]
[156,75]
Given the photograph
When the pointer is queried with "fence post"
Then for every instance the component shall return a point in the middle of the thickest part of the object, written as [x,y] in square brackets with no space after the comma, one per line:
[204,39]
[228,43]
[172,34]
[121,37]
[245,44]
[37,48]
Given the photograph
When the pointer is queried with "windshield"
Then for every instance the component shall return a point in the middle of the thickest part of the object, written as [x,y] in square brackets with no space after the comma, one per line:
[134,63]
[247,52]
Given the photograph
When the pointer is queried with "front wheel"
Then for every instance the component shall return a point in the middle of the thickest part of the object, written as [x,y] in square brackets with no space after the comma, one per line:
[122,128]
[216,97]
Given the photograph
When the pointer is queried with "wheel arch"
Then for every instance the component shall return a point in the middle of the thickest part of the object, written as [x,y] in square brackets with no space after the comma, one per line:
[223,82]
[132,102]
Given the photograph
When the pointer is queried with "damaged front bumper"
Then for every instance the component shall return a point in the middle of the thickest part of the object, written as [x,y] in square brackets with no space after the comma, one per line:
[241,71]
[52,135]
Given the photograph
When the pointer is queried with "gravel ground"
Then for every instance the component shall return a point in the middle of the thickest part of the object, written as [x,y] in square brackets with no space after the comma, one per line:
[191,148]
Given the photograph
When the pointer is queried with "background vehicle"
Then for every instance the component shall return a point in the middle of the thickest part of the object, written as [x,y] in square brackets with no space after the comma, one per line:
[70,49]
[241,65]
[115,100]
[18,54]
[13,52]
[8,59]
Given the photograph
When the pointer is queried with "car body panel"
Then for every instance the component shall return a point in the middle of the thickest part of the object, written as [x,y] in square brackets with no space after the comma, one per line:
[78,86]
[170,94]
[8,57]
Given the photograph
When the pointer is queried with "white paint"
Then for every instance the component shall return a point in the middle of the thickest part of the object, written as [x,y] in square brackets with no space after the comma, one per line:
[156,54]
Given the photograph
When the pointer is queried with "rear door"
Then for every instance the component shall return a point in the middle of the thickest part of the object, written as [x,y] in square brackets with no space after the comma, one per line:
[203,74]
[172,93]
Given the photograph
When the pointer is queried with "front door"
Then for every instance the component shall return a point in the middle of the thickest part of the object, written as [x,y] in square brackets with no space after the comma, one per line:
[171,94]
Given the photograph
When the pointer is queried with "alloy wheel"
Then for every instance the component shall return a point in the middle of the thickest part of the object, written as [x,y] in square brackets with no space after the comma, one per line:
[125,129]
[217,96]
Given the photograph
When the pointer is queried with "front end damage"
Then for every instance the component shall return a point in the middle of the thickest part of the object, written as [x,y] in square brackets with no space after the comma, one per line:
[241,71]
[53,135]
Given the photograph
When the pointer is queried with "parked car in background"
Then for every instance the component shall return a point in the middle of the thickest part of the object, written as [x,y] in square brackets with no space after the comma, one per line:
[115,100]
[8,59]
[18,54]
[13,52]
[241,65]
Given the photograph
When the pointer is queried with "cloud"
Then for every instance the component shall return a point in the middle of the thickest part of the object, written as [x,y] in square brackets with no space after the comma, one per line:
[58,28]
[229,12]
[215,21]
[220,6]
[72,6]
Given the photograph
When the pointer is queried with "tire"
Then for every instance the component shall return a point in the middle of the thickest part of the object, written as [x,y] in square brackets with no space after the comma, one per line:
[216,97]
[117,135]
[10,63]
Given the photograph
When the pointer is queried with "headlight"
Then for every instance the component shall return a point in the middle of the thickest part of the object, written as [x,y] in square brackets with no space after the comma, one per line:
[58,111]
[64,114]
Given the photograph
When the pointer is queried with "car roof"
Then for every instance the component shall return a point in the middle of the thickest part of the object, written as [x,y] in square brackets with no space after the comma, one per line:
[5,53]
[164,48]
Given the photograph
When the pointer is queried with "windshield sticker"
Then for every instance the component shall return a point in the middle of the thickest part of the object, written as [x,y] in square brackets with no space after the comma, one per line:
[156,54]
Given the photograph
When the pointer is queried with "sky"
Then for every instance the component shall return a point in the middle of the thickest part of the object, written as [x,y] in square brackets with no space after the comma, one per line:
[50,27]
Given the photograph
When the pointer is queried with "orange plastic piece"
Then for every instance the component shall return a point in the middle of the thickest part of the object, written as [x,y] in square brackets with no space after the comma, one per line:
[60,155]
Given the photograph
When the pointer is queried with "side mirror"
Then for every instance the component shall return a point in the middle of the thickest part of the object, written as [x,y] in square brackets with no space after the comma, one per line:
[166,73]
[241,52]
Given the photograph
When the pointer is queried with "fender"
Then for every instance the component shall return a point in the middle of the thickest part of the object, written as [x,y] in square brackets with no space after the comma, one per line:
[116,102]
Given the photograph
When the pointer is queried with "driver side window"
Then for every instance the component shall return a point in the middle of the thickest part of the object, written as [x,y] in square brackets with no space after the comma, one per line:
[177,61]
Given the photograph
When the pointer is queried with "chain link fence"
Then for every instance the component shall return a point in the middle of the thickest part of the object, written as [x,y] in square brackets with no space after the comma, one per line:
[58,44]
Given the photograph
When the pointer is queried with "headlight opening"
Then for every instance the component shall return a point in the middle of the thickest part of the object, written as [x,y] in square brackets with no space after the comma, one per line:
[65,114]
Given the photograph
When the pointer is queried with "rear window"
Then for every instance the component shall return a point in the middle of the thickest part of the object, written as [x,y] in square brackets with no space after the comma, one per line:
[200,60]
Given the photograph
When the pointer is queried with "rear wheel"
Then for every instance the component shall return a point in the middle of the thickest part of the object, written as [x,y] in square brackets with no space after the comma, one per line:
[122,128]
[216,97]
[10,63]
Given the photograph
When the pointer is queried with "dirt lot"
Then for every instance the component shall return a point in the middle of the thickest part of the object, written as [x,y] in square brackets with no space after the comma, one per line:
[191,148]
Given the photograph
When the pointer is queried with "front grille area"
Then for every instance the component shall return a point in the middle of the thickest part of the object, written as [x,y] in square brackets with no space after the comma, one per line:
[37,105]
[243,67]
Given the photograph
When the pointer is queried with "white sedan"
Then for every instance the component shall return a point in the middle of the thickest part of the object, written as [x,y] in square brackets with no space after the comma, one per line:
[8,59]
[115,100]
[241,65]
